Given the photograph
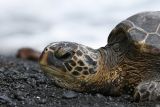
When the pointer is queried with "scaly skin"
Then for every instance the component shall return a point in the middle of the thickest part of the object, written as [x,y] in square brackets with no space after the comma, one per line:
[129,63]
[121,78]
[91,75]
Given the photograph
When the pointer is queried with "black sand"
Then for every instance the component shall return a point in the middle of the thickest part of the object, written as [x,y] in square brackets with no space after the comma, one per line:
[23,84]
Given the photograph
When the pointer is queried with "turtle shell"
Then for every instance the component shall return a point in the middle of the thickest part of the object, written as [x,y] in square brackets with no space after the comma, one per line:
[142,30]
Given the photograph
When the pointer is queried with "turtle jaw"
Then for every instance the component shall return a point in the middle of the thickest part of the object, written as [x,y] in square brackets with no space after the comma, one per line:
[61,79]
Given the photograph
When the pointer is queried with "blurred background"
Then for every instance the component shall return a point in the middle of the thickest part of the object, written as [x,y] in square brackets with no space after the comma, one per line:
[36,23]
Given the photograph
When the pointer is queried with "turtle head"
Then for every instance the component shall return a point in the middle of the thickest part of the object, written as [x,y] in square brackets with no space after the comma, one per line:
[72,65]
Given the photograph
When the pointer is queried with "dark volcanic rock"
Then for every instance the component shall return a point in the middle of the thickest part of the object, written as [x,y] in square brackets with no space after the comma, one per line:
[23,84]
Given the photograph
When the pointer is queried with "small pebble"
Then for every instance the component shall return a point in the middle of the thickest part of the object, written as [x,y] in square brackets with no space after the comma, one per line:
[20,95]
[99,95]
[157,105]
[2,69]
[110,98]
[69,94]
[42,101]
[5,99]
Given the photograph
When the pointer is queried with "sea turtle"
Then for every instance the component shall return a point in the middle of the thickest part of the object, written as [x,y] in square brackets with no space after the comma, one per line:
[128,64]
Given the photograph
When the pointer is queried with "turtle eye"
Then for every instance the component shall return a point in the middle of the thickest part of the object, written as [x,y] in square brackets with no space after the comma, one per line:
[63,55]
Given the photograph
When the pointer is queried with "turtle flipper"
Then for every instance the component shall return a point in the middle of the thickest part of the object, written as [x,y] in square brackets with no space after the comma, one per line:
[148,91]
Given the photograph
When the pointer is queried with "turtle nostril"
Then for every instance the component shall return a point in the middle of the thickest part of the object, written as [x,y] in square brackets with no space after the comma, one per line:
[62,54]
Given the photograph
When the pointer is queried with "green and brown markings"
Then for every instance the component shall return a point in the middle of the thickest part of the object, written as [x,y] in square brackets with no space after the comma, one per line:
[72,61]
[129,63]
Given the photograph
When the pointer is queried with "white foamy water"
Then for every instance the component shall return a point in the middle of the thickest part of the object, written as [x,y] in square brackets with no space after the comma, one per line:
[36,23]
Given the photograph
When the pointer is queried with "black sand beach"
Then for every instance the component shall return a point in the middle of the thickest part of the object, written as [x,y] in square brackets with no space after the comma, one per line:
[23,84]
